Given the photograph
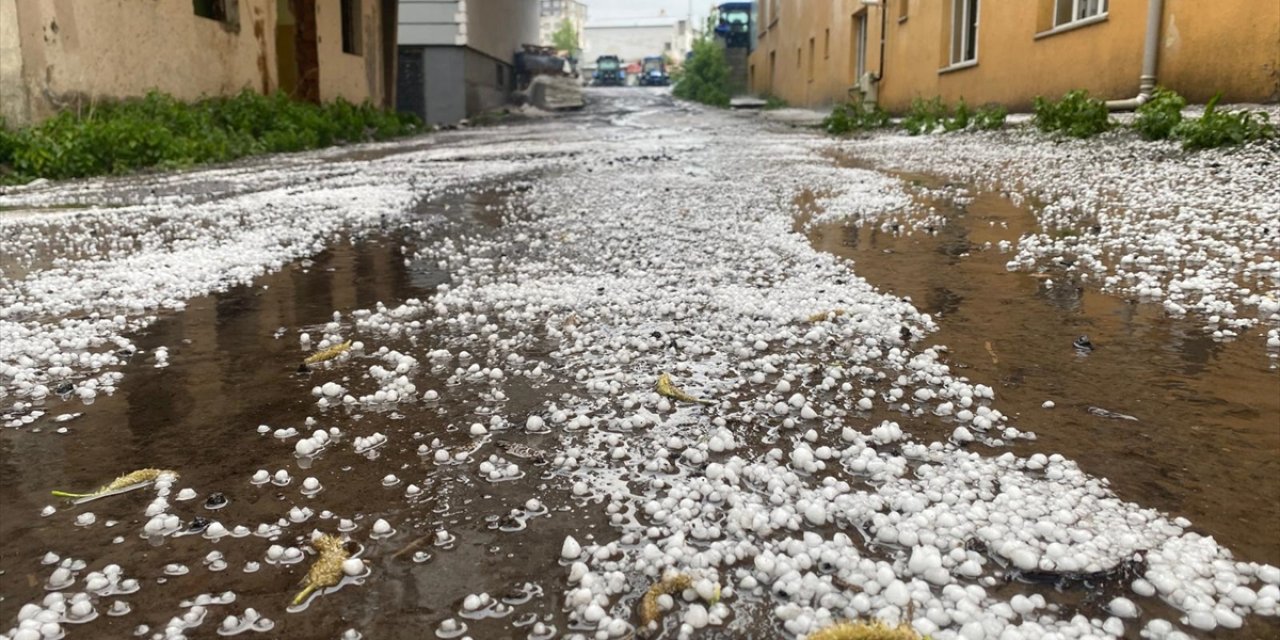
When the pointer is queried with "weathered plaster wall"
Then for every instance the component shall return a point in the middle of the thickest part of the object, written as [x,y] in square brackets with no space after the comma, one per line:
[74,52]
[13,91]
[355,77]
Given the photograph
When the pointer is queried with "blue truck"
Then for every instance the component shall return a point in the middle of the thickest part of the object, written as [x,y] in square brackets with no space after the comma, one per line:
[653,72]
[609,72]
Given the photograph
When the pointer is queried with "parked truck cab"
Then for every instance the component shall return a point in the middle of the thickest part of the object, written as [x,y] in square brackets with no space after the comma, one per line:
[653,72]
[609,72]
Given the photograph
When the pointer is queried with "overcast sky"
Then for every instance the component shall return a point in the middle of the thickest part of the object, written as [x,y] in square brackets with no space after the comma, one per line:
[622,9]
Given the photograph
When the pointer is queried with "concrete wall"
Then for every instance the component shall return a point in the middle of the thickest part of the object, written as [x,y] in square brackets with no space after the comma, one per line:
[467,50]
[58,54]
[630,42]
[497,28]
[1233,48]
[432,23]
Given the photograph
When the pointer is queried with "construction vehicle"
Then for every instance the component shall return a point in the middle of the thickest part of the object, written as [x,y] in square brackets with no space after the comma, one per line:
[547,80]
[653,72]
[734,25]
[735,31]
[609,72]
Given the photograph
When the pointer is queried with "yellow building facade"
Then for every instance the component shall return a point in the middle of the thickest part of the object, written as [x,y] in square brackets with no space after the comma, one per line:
[820,52]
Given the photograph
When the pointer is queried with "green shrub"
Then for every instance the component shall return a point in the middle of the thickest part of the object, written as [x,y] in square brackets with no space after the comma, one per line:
[157,130]
[1222,128]
[959,119]
[1076,115]
[705,77]
[924,116]
[772,102]
[855,116]
[990,117]
[1157,117]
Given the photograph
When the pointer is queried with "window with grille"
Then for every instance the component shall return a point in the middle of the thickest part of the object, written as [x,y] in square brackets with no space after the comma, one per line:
[1068,11]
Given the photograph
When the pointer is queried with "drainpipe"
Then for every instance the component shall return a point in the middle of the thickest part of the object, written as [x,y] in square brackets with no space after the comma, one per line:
[1150,53]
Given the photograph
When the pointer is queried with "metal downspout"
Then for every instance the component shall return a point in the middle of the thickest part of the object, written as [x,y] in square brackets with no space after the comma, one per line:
[1150,56]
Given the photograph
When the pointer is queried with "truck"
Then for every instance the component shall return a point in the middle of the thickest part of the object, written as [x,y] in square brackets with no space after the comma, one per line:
[609,71]
[653,72]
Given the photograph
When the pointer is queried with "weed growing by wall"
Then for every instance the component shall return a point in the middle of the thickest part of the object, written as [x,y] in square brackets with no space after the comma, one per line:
[1156,118]
[1218,128]
[855,116]
[1076,115]
[160,131]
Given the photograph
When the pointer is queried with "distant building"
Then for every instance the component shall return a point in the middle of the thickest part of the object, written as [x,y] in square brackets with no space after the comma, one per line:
[633,40]
[58,55]
[893,51]
[553,13]
[456,58]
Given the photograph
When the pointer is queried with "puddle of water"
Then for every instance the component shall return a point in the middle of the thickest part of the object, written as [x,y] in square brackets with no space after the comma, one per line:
[1207,441]
[200,415]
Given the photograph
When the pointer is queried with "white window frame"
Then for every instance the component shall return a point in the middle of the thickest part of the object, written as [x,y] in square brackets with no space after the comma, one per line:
[960,21]
[1081,10]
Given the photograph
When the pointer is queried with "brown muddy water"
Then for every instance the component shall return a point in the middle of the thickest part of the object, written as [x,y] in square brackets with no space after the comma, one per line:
[234,368]
[1206,442]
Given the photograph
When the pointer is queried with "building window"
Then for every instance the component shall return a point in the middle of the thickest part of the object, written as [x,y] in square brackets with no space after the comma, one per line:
[220,10]
[964,31]
[799,57]
[812,42]
[826,44]
[859,45]
[773,69]
[1067,11]
[350,13]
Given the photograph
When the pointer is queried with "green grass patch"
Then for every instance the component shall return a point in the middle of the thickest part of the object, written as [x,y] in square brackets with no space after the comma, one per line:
[160,131]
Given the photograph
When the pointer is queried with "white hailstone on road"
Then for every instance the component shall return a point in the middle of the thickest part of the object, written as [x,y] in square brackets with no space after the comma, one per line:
[478,429]
[1123,607]
[381,527]
[304,447]
[961,434]
[816,514]
[570,550]
[353,567]
[1048,404]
